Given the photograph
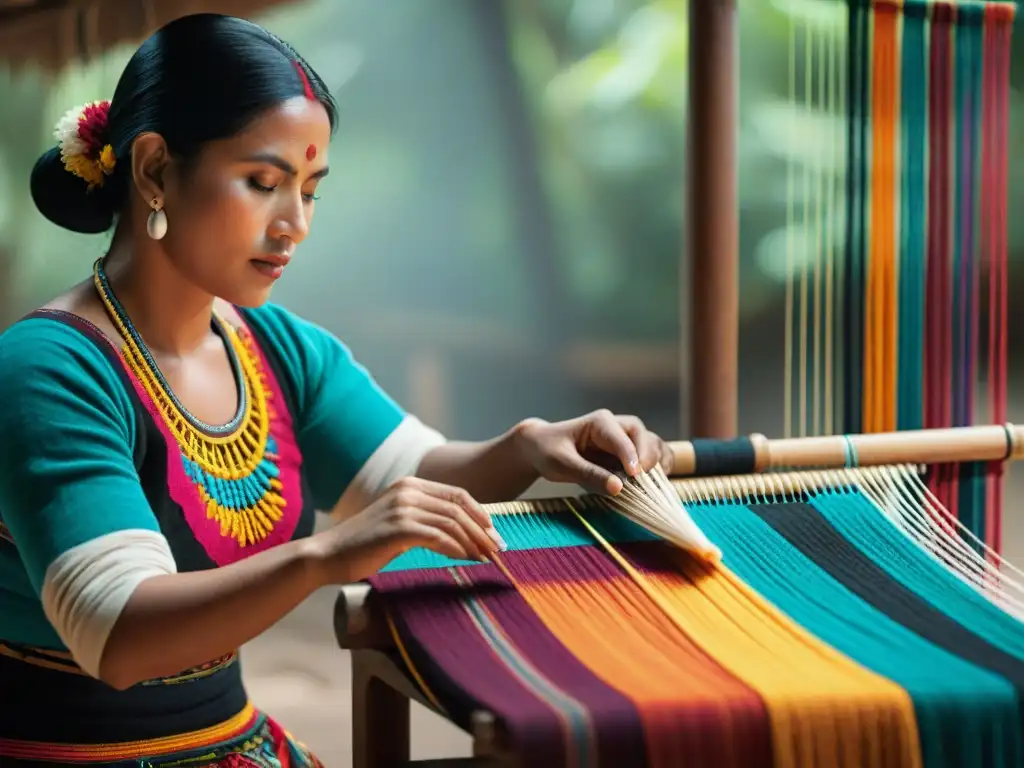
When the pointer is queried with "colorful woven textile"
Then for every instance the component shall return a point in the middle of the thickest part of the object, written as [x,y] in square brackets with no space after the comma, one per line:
[826,637]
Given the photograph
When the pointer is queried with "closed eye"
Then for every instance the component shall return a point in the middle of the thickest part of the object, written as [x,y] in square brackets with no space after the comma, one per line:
[309,197]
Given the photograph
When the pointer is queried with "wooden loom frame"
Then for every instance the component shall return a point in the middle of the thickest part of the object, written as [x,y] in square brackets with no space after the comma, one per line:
[382,691]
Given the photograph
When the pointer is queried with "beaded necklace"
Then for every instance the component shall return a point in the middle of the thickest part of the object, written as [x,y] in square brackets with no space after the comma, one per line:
[233,466]
[130,334]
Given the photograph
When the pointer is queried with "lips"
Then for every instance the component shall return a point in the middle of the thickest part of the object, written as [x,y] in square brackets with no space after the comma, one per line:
[272,264]
[275,259]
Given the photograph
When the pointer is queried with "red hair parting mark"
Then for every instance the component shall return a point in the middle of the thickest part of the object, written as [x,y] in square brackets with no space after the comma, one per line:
[306,87]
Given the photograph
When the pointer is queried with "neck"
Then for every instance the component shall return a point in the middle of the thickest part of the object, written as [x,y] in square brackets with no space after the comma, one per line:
[172,315]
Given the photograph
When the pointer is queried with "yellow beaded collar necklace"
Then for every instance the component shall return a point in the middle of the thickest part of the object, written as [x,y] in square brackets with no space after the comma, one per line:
[228,463]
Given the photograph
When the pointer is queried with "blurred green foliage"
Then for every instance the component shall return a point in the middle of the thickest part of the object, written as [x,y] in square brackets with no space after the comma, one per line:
[429,191]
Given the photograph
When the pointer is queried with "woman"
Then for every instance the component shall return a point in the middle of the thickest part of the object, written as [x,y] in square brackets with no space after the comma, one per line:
[168,434]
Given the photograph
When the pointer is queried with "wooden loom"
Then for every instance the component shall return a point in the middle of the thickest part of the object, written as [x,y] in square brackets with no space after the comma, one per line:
[382,689]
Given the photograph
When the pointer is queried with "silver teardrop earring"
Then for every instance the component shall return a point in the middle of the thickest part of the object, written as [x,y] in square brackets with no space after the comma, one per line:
[156,224]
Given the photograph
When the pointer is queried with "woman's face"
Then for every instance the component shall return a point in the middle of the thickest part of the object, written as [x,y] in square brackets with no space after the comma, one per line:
[237,215]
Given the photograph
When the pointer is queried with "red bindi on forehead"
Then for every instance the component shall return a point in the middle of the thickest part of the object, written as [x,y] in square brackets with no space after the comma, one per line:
[310,152]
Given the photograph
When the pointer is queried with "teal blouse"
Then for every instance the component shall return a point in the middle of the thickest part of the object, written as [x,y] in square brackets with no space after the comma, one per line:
[89,449]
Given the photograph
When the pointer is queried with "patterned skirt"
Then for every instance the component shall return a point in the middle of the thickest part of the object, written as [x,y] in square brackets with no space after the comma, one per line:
[250,739]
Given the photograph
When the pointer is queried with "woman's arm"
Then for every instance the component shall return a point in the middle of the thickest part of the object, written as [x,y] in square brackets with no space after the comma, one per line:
[492,471]
[176,621]
[586,451]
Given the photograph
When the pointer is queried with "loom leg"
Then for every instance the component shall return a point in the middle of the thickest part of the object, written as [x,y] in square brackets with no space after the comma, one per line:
[483,734]
[380,720]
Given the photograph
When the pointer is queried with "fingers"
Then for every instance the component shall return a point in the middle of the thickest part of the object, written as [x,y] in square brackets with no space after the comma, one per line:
[627,439]
[569,466]
[480,542]
[649,447]
[458,496]
[609,434]
[452,512]
[422,534]
[465,501]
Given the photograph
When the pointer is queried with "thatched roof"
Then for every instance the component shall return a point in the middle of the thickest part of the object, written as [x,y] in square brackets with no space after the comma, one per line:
[51,33]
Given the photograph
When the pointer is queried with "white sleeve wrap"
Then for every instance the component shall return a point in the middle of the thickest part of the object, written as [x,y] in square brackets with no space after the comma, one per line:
[87,587]
[398,456]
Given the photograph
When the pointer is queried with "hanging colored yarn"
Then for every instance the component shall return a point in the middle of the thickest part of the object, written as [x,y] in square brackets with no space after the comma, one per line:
[909,254]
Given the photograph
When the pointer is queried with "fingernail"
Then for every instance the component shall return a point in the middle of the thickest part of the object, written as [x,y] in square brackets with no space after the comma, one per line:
[493,533]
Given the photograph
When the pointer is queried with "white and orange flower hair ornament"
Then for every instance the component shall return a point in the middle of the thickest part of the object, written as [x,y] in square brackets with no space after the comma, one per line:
[81,134]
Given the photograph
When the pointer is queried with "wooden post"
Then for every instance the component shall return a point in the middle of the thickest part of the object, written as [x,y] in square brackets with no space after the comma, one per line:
[380,718]
[711,303]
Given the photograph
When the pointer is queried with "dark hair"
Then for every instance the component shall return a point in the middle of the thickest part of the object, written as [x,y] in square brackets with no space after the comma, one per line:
[197,79]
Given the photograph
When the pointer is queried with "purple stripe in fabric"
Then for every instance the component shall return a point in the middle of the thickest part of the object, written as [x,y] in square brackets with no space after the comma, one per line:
[618,728]
[694,723]
[725,725]
[429,603]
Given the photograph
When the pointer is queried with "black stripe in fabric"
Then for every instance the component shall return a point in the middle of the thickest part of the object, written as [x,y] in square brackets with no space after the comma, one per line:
[810,533]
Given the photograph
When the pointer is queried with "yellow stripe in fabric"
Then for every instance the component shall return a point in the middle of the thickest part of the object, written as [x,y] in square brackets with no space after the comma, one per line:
[410,667]
[623,638]
[825,709]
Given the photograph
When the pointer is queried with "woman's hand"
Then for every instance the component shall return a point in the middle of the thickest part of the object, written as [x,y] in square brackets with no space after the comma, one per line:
[412,513]
[587,450]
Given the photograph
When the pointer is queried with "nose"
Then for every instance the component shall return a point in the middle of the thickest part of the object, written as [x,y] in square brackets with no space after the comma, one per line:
[290,221]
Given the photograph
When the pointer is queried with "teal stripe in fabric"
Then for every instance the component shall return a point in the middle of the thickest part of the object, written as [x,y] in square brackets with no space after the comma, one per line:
[574,712]
[536,531]
[860,522]
[913,230]
[951,736]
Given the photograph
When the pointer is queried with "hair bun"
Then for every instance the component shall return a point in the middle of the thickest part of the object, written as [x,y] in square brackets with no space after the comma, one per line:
[66,200]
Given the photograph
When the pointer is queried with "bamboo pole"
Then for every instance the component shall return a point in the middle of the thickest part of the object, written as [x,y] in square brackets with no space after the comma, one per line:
[921,446]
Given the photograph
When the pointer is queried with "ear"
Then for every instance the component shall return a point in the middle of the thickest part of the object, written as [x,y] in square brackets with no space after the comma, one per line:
[150,160]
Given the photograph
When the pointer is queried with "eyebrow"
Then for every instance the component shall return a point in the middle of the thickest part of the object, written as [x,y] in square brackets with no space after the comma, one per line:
[279,162]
